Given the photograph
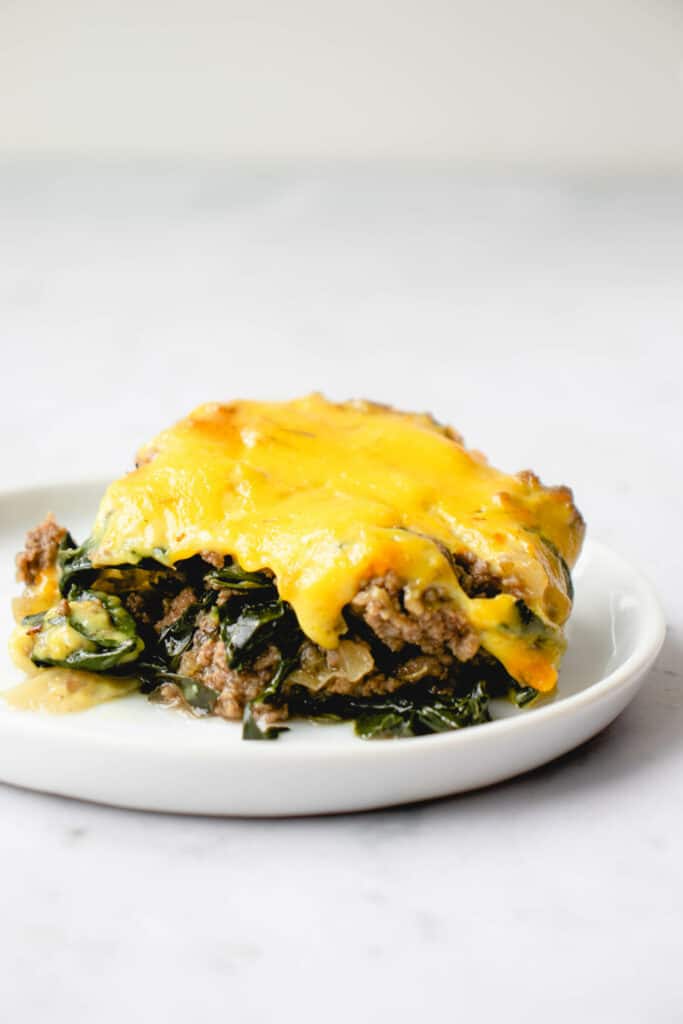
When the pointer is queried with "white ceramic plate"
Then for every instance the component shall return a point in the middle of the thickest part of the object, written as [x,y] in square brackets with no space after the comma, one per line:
[135,754]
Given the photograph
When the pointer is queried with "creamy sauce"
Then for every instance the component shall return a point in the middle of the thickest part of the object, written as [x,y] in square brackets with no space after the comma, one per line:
[61,691]
[58,690]
[37,598]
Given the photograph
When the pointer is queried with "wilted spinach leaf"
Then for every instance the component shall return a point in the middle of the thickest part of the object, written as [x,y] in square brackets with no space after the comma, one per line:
[382,725]
[73,564]
[200,698]
[253,627]
[176,638]
[412,711]
[443,713]
[271,691]
[239,579]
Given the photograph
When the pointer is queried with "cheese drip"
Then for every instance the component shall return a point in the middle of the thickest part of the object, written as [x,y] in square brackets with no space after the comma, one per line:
[329,496]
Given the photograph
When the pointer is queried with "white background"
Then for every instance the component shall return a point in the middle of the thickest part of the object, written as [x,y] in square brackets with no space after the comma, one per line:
[590,84]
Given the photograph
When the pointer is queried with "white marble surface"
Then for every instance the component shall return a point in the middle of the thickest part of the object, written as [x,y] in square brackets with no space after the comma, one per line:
[126,296]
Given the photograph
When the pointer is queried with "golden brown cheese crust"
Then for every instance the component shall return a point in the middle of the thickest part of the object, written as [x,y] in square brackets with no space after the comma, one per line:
[330,496]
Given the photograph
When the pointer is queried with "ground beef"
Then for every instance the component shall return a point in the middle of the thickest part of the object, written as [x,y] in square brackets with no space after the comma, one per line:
[213,558]
[206,661]
[435,626]
[426,638]
[174,607]
[475,577]
[243,685]
[138,605]
[40,551]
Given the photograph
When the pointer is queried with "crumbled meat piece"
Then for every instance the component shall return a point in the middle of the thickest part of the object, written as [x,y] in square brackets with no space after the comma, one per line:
[171,694]
[206,661]
[174,607]
[206,658]
[242,685]
[140,606]
[213,558]
[438,628]
[475,577]
[40,551]
[430,634]
[478,579]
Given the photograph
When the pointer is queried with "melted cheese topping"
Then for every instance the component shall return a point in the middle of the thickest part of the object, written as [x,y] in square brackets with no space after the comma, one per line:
[329,496]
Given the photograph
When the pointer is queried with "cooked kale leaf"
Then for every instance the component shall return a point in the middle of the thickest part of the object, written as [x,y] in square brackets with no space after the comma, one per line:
[235,578]
[271,693]
[412,711]
[201,698]
[414,718]
[251,627]
[74,565]
[176,638]
[92,630]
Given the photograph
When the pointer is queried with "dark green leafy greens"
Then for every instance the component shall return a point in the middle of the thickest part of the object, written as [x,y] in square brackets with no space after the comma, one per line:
[252,629]
[272,692]
[202,699]
[235,578]
[522,695]
[91,629]
[413,711]
[74,565]
[176,638]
